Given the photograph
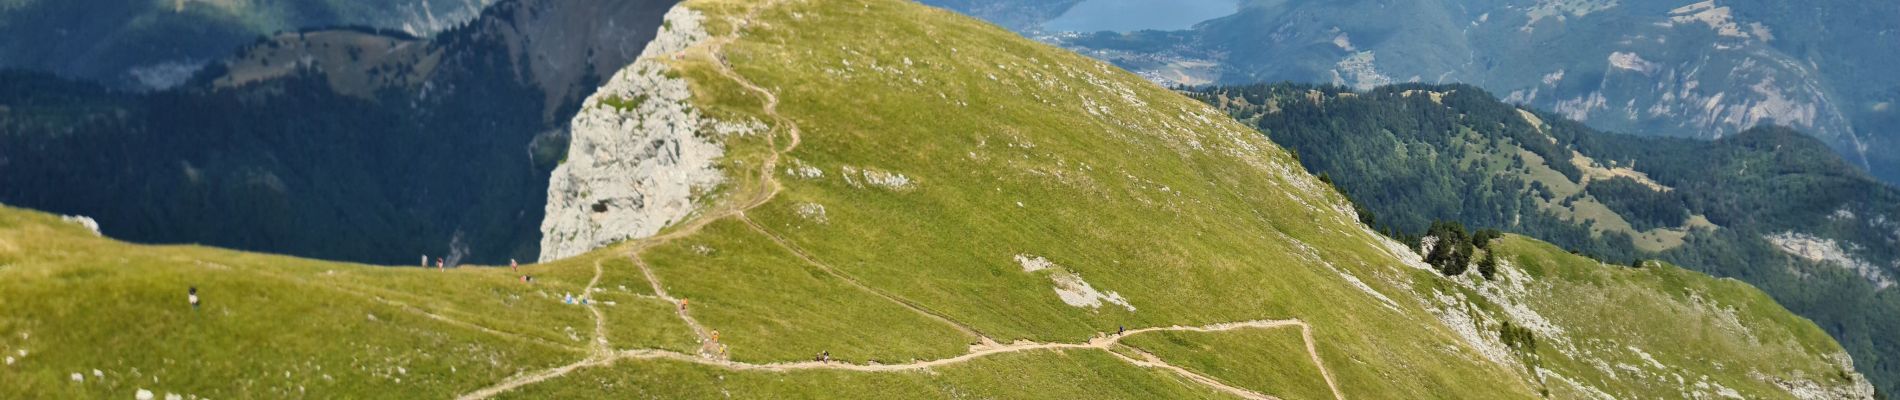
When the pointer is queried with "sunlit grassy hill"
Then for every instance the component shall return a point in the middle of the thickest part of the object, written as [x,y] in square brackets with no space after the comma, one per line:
[945,209]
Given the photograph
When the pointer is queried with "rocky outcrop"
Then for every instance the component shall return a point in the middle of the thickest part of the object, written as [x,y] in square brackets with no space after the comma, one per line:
[82,220]
[641,154]
[1824,250]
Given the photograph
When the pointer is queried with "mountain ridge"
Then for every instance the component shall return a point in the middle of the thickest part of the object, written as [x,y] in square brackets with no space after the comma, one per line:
[1770,206]
[930,207]
[1702,69]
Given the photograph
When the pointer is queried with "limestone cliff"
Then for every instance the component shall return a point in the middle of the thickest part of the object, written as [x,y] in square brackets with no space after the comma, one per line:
[640,154]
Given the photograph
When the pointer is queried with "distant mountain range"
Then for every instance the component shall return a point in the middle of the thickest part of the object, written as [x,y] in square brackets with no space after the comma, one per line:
[1679,68]
[157,44]
[350,144]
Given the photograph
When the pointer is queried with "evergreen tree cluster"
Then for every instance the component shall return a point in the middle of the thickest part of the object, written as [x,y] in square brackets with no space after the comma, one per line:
[1518,338]
[1449,248]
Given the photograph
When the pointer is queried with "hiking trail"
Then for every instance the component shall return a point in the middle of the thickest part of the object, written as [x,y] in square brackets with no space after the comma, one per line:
[601,354]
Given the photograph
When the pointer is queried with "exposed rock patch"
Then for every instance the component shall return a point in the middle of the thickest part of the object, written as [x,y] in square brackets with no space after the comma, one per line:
[82,220]
[861,177]
[1070,287]
[1818,249]
[641,154]
[813,212]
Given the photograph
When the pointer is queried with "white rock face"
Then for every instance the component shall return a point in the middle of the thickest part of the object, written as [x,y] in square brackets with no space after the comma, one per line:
[631,171]
[1070,287]
[1818,249]
[1078,293]
[1033,263]
[82,220]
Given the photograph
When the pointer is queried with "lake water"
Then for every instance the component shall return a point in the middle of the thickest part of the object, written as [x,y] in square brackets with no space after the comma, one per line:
[1134,15]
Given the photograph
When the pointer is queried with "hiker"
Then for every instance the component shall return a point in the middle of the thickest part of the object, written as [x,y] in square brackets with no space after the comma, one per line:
[438,265]
[425,260]
[568,298]
[513,265]
[1119,330]
[826,356]
[193,292]
[682,305]
[715,335]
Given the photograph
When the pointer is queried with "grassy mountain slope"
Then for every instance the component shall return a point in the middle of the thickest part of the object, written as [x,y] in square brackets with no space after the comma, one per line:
[274,326]
[945,208]
[1594,304]
[1767,206]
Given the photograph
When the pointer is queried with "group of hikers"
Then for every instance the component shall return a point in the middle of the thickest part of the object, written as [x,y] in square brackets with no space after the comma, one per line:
[441,264]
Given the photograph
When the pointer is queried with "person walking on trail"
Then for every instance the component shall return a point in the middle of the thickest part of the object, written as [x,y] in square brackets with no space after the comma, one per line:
[715,335]
[1119,330]
[514,265]
[193,296]
[682,305]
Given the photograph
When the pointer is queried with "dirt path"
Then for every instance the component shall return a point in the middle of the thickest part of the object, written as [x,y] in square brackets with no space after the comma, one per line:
[380,295]
[1150,361]
[769,188]
[1312,350]
[1102,344]
[1099,343]
[854,282]
[601,353]
[707,346]
[601,347]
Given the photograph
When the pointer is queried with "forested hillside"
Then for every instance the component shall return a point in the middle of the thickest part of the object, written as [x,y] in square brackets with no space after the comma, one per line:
[343,144]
